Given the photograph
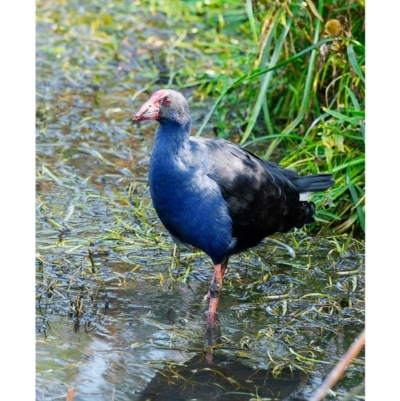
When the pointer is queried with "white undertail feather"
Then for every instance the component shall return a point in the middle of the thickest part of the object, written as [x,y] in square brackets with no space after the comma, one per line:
[304,196]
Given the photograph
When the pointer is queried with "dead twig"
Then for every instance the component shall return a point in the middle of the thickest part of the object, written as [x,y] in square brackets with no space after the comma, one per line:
[338,370]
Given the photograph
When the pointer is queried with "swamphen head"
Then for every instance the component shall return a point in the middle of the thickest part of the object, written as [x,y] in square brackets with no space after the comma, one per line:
[165,106]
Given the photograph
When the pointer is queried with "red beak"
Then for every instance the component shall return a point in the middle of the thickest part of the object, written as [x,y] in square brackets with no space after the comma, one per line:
[150,109]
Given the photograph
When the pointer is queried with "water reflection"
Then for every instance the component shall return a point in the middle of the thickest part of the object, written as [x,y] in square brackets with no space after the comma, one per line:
[223,378]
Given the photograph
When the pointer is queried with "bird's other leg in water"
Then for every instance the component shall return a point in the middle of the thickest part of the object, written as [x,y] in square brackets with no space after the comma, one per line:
[214,291]
[212,337]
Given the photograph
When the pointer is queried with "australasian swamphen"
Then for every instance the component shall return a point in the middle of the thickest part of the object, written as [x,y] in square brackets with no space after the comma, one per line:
[218,196]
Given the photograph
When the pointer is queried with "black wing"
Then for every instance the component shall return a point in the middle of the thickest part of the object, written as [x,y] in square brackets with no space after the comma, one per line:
[262,198]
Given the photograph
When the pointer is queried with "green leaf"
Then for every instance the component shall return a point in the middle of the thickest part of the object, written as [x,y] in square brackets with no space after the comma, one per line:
[340,116]
[354,63]
[339,143]
[356,201]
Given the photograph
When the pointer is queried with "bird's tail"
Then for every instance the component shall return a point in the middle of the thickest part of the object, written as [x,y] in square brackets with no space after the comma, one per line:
[314,182]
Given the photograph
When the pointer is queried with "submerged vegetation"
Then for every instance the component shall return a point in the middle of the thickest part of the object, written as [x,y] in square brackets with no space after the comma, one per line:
[286,80]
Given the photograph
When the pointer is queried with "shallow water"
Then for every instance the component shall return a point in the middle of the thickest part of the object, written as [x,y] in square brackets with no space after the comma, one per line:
[116,313]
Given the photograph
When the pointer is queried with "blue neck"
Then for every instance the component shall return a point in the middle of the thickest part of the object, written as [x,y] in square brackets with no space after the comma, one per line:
[171,137]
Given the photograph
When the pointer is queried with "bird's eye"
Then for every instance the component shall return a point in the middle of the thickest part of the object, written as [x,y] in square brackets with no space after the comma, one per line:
[166,100]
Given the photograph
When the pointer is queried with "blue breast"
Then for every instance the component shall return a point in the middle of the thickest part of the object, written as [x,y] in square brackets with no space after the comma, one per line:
[188,202]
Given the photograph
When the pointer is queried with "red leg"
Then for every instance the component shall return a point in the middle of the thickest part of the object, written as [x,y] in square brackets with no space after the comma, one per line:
[215,288]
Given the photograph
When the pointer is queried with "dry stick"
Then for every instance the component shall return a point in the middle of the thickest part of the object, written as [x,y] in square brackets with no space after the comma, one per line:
[338,370]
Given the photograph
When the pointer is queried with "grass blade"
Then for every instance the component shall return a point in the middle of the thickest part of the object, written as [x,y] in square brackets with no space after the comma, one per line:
[353,61]
[306,94]
[250,15]
[265,82]
[356,202]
